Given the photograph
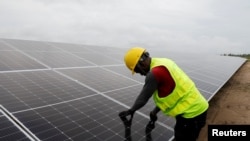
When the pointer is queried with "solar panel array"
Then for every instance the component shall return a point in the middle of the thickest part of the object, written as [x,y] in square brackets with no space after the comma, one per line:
[59,91]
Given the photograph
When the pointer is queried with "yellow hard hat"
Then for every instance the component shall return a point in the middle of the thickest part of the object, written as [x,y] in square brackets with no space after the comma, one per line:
[132,57]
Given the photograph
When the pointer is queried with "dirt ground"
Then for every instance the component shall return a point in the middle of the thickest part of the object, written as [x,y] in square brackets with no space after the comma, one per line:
[231,105]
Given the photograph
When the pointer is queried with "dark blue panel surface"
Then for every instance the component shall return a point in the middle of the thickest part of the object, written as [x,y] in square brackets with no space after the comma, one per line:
[24,90]
[74,92]
[92,118]
[10,132]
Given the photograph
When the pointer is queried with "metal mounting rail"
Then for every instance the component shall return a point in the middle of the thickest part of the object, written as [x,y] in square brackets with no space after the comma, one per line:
[18,124]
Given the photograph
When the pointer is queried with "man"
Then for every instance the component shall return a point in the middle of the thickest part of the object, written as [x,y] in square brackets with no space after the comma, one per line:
[174,93]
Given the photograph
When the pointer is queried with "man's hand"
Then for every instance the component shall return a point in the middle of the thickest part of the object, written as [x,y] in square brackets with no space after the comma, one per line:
[151,124]
[126,113]
[123,115]
[153,116]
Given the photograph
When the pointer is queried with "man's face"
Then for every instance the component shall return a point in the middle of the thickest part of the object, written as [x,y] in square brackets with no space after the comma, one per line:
[140,69]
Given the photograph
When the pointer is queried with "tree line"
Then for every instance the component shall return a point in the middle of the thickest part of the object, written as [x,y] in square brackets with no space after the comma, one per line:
[238,55]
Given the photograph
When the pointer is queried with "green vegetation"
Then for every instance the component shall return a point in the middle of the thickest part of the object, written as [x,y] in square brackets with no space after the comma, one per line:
[247,56]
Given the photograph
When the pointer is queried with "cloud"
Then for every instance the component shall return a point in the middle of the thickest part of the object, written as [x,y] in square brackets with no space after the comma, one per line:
[208,25]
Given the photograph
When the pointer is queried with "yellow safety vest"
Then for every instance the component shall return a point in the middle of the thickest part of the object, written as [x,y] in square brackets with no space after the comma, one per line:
[185,99]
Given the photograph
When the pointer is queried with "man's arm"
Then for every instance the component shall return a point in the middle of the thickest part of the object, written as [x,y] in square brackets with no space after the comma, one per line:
[148,89]
[155,110]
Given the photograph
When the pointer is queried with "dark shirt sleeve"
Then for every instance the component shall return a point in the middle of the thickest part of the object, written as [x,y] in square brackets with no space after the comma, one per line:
[147,91]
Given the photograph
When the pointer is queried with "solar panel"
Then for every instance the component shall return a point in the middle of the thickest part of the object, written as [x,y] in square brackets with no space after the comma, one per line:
[62,91]
[98,58]
[25,90]
[4,47]
[98,78]
[59,59]
[21,62]
[26,45]
[7,127]
[11,128]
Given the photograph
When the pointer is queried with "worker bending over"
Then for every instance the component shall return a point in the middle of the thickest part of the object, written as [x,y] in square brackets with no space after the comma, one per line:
[174,93]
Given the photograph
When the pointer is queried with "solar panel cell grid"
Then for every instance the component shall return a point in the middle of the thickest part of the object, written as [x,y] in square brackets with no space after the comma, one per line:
[21,62]
[68,120]
[33,89]
[4,47]
[74,92]
[123,71]
[99,79]
[66,47]
[98,58]
[26,45]
[8,131]
[59,59]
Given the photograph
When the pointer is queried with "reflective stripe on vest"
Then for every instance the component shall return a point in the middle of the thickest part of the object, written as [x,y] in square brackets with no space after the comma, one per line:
[185,98]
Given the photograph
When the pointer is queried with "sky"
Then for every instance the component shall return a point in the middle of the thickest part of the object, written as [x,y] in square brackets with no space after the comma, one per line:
[209,26]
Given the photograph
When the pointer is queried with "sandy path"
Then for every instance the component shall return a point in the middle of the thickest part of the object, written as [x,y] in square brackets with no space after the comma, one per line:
[231,105]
